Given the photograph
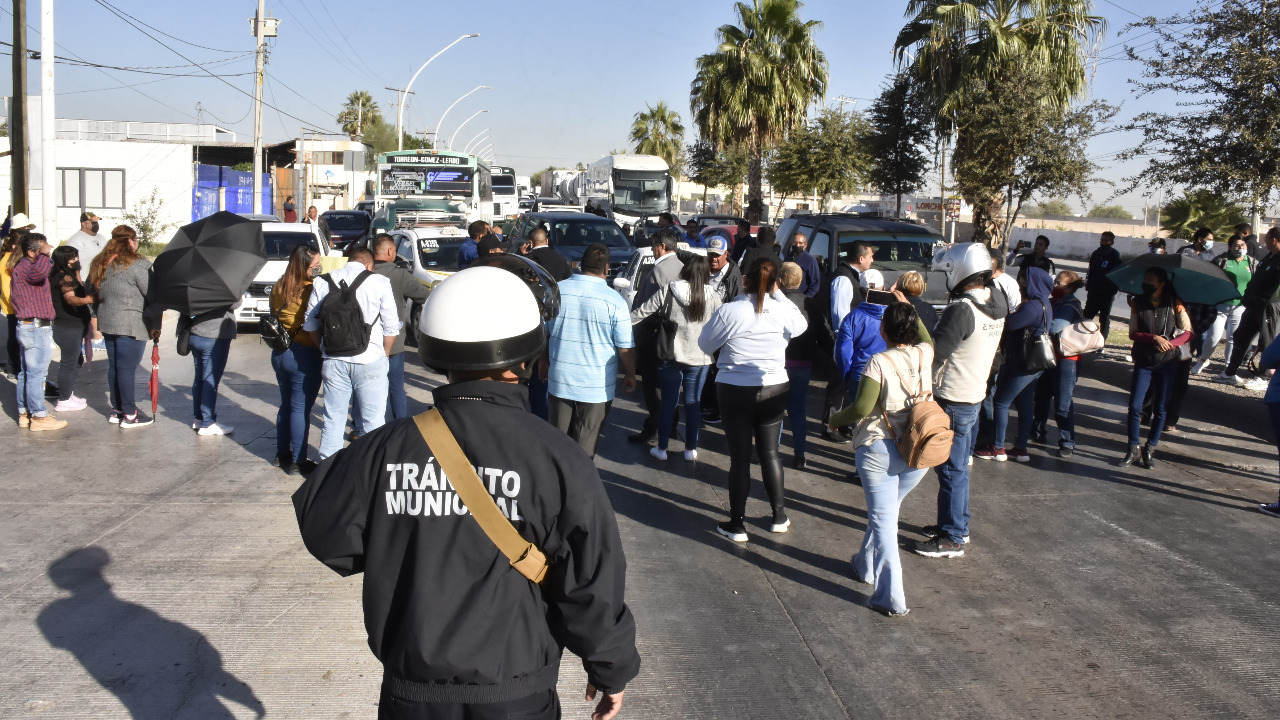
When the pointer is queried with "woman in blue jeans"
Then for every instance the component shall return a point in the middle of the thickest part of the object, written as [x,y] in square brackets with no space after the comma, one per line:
[210,341]
[800,354]
[1057,385]
[1158,326]
[121,281]
[297,367]
[688,302]
[890,378]
[1017,384]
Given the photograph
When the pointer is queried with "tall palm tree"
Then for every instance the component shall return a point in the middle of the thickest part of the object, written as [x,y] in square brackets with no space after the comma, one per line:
[959,49]
[659,131]
[358,112]
[758,84]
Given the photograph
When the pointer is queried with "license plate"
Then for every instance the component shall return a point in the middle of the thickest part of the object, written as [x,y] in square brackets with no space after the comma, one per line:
[264,305]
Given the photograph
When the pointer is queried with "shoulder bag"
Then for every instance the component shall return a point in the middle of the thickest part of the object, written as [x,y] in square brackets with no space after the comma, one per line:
[273,332]
[667,330]
[523,555]
[1081,338]
[1037,348]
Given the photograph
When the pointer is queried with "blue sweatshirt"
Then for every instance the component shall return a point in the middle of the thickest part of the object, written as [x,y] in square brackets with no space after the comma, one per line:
[858,339]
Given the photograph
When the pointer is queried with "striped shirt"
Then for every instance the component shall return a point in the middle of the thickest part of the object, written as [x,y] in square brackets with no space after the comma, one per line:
[593,324]
[30,288]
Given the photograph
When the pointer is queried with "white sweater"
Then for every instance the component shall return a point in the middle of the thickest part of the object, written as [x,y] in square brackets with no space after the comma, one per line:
[752,345]
[687,331]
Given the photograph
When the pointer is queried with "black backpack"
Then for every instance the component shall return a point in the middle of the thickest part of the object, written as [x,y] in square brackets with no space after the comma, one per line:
[342,325]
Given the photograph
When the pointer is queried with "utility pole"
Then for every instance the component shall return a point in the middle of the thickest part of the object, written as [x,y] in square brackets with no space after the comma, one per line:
[401,98]
[48,128]
[263,28]
[18,109]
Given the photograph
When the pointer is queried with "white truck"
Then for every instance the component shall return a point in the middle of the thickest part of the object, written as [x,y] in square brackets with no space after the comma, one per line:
[631,186]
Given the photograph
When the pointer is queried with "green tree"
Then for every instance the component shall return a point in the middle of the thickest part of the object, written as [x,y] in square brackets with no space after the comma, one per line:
[967,52]
[711,167]
[1200,208]
[1220,62]
[359,112]
[1114,212]
[658,131]
[901,127]
[1053,207]
[146,218]
[381,137]
[759,82]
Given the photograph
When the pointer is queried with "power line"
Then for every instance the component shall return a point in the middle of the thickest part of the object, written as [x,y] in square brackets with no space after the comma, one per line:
[185,42]
[360,59]
[347,62]
[128,19]
[71,63]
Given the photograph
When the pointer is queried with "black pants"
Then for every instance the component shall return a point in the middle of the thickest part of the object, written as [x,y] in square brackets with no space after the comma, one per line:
[1099,303]
[1252,323]
[543,705]
[581,421]
[753,413]
[12,362]
[70,342]
[647,365]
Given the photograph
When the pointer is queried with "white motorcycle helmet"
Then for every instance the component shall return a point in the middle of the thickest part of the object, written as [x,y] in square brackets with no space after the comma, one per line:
[482,318]
[963,263]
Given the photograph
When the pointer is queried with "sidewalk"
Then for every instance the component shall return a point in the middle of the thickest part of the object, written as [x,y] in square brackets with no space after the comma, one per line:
[1088,590]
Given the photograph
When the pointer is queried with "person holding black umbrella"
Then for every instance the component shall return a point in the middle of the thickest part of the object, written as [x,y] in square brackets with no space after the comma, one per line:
[1158,326]
[210,341]
[127,315]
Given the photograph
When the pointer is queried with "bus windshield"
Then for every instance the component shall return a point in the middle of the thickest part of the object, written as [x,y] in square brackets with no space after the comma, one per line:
[640,192]
[504,184]
[397,180]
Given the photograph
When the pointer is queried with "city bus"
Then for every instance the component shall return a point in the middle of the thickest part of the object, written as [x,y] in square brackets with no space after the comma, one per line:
[432,188]
[631,186]
[506,194]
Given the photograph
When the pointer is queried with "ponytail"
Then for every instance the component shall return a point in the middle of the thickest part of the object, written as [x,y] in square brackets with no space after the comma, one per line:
[760,280]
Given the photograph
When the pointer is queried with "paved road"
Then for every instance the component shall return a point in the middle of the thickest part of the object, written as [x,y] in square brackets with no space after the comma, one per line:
[153,573]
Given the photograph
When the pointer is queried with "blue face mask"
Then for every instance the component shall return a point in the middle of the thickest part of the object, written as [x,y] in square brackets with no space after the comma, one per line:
[1208,245]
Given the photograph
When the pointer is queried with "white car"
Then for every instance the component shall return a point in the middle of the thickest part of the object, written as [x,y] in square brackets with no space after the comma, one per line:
[280,239]
[632,273]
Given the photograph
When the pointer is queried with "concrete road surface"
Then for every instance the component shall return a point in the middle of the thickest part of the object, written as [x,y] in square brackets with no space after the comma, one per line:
[153,573]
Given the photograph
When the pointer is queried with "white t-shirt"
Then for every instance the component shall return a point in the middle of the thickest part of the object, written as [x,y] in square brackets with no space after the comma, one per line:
[87,245]
[915,364]
[1009,286]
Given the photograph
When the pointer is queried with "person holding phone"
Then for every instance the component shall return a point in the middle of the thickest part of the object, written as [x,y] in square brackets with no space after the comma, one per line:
[859,336]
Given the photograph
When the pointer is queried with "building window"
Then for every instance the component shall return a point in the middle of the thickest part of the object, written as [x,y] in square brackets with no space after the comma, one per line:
[91,188]
[326,157]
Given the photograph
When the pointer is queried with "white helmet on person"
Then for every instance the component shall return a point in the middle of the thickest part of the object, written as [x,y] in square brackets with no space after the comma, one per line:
[487,317]
[963,263]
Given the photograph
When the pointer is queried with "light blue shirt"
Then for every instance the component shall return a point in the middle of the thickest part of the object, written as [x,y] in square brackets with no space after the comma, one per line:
[752,345]
[593,324]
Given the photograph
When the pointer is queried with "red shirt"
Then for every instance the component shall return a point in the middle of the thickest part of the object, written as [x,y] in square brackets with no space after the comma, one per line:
[30,289]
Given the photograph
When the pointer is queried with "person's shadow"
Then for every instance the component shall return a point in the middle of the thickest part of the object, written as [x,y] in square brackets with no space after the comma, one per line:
[158,668]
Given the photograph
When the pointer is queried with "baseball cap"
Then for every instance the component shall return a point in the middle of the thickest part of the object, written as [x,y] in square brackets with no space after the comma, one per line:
[88,216]
[716,245]
[872,279]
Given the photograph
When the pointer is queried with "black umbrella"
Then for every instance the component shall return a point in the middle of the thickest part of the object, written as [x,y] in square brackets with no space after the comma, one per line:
[209,264]
[1194,280]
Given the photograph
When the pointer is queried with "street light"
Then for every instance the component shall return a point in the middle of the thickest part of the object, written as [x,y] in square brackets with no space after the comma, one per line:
[477,146]
[473,140]
[455,132]
[455,102]
[405,92]
[480,152]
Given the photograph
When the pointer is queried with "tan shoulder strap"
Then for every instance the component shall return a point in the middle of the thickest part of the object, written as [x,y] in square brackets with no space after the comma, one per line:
[524,556]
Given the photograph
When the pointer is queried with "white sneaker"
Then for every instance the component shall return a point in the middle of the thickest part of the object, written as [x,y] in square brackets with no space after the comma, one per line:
[71,404]
[658,453]
[216,429]
[1199,367]
[1256,385]
[690,455]
[780,527]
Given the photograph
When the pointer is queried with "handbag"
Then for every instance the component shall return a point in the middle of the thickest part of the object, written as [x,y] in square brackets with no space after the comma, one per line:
[523,555]
[1081,338]
[273,333]
[1037,348]
[667,331]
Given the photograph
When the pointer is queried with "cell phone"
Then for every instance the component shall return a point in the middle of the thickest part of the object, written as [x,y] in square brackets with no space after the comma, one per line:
[881,297]
[1023,243]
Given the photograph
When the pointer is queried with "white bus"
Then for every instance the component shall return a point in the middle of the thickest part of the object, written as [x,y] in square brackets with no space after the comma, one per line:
[506,194]
[631,186]
[432,188]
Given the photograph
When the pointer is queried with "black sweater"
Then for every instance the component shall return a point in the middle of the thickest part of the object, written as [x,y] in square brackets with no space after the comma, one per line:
[448,617]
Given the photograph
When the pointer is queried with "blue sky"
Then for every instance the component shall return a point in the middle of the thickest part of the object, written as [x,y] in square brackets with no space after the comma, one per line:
[566,77]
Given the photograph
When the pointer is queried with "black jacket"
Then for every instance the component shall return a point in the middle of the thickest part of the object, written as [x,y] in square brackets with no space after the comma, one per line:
[448,617]
[1102,261]
[802,347]
[551,261]
[1264,287]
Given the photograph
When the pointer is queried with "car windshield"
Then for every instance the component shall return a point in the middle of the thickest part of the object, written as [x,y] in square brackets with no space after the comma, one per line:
[440,253]
[581,233]
[347,222]
[893,253]
[281,244]
[640,193]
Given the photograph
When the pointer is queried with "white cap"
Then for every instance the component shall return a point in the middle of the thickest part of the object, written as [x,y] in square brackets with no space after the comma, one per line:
[19,221]
[871,280]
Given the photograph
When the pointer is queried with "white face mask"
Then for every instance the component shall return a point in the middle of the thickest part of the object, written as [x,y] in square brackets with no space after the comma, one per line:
[1208,245]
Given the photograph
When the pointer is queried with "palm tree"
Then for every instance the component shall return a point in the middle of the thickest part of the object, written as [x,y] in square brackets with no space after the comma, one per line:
[1200,208]
[757,85]
[358,112]
[958,49]
[658,131]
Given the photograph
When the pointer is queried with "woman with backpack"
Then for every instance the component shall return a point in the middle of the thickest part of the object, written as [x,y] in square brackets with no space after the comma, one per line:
[1058,383]
[689,303]
[881,410]
[1017,380]
[751,334]
[1158,326]
[297,366]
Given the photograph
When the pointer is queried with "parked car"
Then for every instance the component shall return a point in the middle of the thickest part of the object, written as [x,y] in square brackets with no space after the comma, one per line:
[571,232]
[641,260]
[345,227]
[429,253]
[258,217]
[898,246]
[280,240]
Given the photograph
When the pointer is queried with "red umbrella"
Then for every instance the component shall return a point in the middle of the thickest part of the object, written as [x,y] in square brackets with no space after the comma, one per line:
[154,384]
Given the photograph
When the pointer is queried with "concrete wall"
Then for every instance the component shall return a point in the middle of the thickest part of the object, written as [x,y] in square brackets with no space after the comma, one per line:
[1077,245]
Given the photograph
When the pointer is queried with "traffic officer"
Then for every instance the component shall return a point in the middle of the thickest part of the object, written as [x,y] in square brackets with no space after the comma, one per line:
[459,631]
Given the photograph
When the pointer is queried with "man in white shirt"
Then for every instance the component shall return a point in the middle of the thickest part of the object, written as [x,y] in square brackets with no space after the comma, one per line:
[87,241]
[1006,284]
[364,374]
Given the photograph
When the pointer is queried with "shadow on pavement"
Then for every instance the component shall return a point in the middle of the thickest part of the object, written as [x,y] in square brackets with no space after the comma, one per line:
[157,668]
